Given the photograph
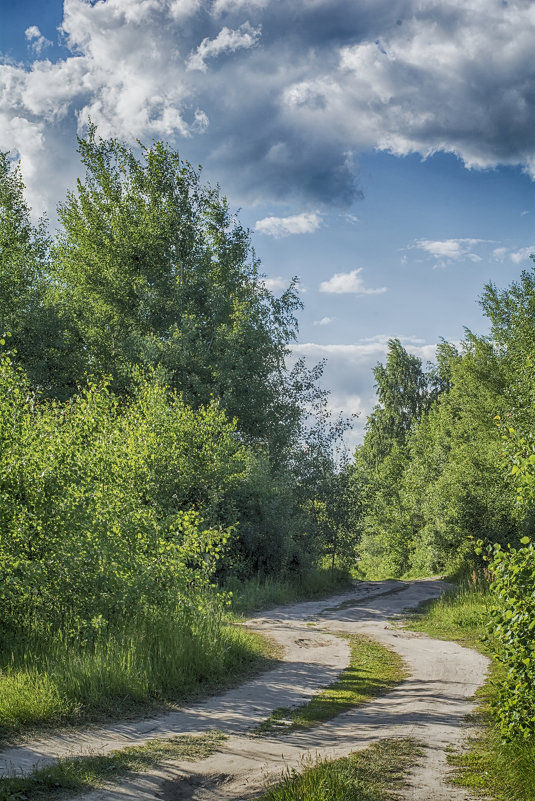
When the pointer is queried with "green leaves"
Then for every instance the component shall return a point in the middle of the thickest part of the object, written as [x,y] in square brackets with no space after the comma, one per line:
[97,497]
[513,624]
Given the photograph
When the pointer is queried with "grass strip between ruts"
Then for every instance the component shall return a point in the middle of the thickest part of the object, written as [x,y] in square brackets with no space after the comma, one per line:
[80,774]
[373,670]
[376,773]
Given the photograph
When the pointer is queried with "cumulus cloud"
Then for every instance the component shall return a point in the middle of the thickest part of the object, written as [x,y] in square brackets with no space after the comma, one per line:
[277,100]
[305,223]
[524,254]
[324,321]
[36,39]
[226,41]
[276,284]
[349,284]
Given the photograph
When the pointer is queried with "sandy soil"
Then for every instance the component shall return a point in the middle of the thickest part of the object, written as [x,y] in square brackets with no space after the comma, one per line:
[430,705]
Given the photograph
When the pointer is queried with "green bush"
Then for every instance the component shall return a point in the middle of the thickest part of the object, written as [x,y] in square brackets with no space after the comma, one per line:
[513,627]
[97,504]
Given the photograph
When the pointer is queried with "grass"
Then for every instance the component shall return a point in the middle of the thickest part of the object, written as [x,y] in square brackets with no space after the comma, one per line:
[374,774]
[262,593]
[68,776]
[489,767]
[155,663]
[374,670]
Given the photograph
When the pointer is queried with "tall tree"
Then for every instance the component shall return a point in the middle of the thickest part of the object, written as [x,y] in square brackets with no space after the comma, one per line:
[403,394]
[158,272]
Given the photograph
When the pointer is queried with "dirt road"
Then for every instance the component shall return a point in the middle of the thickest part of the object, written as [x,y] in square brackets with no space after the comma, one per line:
[430,705]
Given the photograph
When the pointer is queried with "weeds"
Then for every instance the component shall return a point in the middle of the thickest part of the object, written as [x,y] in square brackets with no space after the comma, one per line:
[375,774]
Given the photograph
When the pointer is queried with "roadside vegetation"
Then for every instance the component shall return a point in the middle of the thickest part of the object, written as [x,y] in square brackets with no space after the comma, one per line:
[376,773]
[161,469]
[492,766]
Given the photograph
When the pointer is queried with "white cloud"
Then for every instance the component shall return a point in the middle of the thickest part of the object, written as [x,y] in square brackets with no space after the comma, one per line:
[349,284]
[324,321]
[455,249]
[499,253]
[37,41]
[305,223]
[276,283]
[289,116]
[451,250]
[226,41]
[524,212]
[522,255]
[231,6]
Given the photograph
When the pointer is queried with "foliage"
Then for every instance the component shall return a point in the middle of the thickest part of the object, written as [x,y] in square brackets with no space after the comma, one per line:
[158,273]
[153,442]
[513,627]
[442,482]
[96,511]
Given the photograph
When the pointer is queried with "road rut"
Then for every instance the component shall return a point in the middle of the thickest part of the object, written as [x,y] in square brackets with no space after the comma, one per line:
[430,705]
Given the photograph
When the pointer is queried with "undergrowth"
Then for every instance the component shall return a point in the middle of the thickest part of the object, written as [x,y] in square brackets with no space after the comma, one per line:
[262,593]
[154,662]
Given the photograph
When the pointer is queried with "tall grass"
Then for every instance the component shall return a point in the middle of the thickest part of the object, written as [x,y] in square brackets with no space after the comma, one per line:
[264,592]
[155,659]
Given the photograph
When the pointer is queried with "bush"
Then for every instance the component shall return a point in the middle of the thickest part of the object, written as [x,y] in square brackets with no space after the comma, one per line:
[97,517]
[513,626]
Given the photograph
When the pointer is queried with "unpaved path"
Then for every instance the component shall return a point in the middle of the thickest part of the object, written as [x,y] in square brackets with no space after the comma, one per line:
[430,705]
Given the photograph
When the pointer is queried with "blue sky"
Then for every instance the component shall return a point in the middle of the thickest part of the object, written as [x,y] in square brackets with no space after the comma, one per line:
[381,150]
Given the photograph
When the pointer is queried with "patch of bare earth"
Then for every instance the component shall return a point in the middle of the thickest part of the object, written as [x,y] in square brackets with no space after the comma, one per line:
[430,705]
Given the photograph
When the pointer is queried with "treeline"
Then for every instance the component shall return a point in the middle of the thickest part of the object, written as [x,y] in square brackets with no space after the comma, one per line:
[154,446]
[434,472]
[444,481]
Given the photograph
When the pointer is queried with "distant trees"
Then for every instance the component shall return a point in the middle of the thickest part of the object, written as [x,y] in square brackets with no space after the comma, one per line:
[429,477]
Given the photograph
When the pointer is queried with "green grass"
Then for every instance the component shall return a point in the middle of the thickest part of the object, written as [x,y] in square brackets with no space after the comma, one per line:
[489,767]
[154,663]
[374,774]
[68,776]
[374,670]
[459,614]
[262,593]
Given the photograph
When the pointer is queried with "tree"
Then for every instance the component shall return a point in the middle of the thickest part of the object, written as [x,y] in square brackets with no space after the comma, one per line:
[402,391]
[159,273]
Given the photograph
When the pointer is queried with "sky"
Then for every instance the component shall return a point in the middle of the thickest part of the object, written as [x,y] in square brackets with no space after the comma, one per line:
[380,150]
